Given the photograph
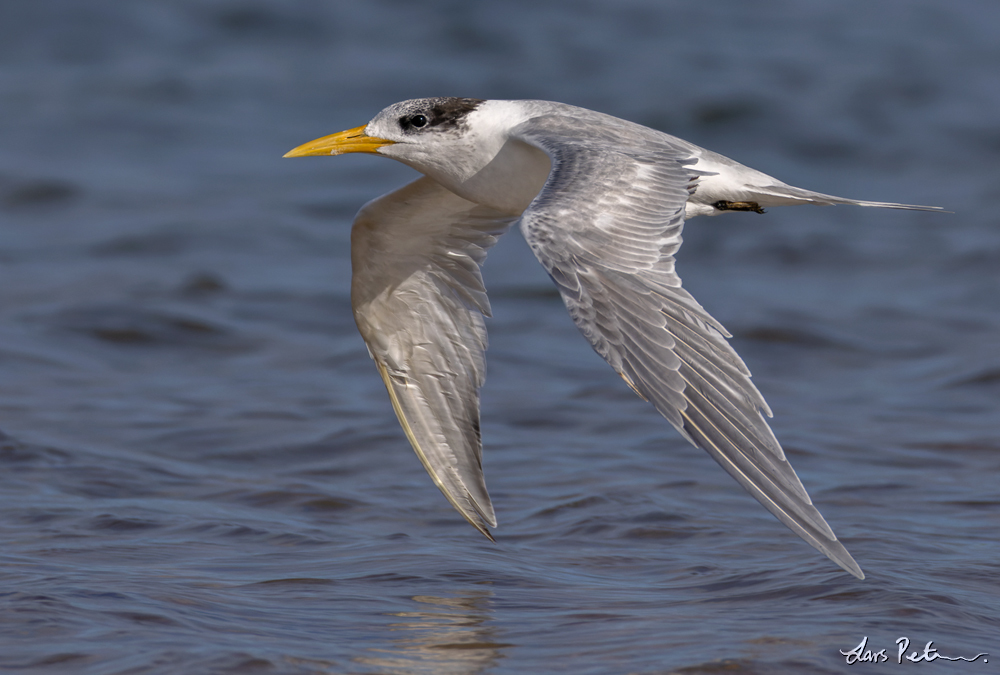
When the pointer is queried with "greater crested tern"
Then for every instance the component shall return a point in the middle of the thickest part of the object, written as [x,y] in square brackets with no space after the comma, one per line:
[601,202]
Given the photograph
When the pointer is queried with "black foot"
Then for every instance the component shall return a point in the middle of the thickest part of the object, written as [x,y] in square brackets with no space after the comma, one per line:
[723,205]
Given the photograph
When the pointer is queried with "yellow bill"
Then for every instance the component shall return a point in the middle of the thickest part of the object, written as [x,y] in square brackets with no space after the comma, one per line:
[352,140]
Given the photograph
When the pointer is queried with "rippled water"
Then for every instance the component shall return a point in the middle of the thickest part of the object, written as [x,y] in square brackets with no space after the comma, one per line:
[201,472]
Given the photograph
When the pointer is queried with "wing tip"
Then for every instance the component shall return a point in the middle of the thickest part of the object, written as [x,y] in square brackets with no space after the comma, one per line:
[478,512]
[839,554]
[477,518]
[489,535]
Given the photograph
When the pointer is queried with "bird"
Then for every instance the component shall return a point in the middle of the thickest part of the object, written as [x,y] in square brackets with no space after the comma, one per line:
[601,202]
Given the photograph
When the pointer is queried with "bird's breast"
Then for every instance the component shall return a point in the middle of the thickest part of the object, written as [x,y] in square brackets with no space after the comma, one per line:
[510,180]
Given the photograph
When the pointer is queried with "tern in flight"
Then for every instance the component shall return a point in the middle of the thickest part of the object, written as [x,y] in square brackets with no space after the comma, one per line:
[601,202]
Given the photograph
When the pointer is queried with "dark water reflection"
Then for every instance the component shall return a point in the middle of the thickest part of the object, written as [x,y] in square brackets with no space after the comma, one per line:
[199,469]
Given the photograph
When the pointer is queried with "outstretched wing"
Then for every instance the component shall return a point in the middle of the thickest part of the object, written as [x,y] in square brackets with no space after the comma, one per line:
[606,226]
[419,302]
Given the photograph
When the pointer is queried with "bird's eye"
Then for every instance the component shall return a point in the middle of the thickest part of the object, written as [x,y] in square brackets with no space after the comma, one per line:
[416,121]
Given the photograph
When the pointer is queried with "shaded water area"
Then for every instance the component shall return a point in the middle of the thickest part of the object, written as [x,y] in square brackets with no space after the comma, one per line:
[200,471]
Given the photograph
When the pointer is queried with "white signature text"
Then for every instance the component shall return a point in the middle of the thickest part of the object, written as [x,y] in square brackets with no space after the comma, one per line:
[862,654]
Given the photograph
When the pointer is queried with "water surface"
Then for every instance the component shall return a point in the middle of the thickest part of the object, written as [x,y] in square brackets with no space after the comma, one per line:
[201,472]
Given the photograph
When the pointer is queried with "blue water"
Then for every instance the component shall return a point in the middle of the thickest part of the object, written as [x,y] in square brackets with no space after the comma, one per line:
[200,471]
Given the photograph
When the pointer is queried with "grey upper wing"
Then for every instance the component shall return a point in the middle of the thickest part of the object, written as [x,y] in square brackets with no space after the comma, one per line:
[419,302]
[606,227]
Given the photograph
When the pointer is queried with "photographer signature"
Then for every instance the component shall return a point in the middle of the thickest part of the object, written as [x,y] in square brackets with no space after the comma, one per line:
[862,654]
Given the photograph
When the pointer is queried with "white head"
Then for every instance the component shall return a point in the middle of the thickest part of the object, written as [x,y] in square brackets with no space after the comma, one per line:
[451,140]
[425,133]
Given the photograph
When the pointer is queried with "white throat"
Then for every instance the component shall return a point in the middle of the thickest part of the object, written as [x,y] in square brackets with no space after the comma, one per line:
[510,180]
